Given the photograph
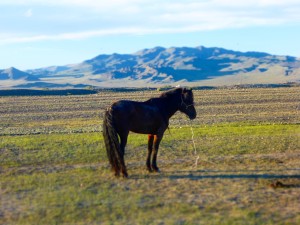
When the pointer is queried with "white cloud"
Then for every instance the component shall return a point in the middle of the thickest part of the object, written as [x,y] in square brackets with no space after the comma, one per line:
[113,17]
[278,2]
[28,13]
[4,39]
[120,3]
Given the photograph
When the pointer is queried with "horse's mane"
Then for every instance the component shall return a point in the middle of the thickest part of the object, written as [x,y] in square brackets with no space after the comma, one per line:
[165,96]
[171,92]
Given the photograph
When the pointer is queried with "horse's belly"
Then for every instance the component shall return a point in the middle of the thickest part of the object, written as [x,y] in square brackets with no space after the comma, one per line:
[144,128]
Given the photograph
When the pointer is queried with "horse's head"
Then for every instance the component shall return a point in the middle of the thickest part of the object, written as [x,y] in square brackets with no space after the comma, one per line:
[187,103]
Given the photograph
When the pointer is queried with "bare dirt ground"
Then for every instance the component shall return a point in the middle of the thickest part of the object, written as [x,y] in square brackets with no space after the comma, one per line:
[54,170]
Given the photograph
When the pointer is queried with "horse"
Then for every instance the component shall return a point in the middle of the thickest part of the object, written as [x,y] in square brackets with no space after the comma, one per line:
[150,117]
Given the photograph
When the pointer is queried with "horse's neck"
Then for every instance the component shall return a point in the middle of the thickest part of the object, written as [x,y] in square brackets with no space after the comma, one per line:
[170,107]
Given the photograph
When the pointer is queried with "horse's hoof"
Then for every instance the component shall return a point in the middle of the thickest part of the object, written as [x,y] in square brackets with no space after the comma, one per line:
[156,170]
[149,170]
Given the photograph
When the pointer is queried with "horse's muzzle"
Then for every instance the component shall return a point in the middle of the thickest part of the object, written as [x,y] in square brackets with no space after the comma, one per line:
[192,116]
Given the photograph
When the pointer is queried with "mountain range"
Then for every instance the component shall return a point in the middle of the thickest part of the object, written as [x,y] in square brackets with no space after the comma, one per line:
[161,66]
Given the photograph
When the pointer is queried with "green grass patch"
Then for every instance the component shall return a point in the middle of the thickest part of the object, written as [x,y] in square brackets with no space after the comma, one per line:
[45,149]
[227,139]
[91,195]
[89,147]
[65,178]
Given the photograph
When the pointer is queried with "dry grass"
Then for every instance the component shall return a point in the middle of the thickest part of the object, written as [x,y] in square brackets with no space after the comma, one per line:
[54,169]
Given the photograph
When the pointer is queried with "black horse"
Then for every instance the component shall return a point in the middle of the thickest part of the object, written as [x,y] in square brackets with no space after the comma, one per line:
[150,117]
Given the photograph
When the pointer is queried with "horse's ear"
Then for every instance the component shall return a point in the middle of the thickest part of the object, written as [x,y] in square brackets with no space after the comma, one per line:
[184,90]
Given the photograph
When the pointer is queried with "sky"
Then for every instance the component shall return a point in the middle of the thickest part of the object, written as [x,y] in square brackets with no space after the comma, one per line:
[41,33]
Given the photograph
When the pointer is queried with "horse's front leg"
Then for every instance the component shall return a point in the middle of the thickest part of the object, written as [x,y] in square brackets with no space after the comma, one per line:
[157,140]
[150,147]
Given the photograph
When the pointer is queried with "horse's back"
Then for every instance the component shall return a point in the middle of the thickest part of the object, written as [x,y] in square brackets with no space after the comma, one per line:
[139,117]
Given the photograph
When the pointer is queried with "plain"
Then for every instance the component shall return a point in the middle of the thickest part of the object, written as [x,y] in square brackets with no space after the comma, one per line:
[54,169]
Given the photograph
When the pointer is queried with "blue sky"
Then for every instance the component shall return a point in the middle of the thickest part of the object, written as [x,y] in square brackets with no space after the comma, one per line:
[40,33]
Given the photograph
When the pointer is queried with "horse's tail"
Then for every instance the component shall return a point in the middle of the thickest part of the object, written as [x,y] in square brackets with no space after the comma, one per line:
[115,157]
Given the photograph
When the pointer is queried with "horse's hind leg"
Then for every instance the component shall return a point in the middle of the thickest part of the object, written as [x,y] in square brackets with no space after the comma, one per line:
[150,147]
[123,139]
[157,140]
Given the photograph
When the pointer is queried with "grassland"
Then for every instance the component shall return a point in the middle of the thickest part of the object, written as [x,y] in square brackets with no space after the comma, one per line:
[54,170]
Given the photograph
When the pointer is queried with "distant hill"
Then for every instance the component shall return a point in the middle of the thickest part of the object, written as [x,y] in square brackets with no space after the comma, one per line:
[13,77]
[15,74]
[165,66]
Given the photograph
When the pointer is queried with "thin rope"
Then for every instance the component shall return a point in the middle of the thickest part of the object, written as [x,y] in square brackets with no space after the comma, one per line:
[195,149]
[194,145]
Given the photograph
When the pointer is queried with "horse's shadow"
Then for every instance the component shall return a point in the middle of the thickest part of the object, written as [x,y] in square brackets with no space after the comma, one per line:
[244,174]
[215,174]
